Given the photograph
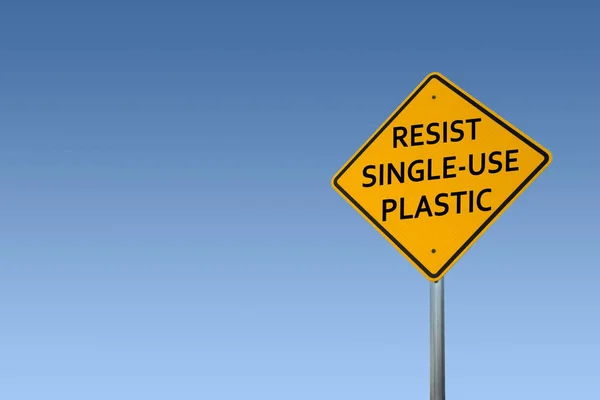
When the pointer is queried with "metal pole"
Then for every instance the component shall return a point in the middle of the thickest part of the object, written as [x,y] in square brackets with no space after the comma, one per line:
[437,361]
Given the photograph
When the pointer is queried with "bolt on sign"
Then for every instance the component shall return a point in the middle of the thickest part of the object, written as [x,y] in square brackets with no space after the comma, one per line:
[438,172]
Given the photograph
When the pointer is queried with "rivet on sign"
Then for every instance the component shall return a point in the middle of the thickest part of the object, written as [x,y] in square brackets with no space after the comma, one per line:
[433,250]
[433,97]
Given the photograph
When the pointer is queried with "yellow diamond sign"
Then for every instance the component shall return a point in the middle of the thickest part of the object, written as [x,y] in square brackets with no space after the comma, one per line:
[438,172]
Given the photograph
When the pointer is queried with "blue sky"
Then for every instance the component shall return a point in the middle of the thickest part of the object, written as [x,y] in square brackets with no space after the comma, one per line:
[168,228]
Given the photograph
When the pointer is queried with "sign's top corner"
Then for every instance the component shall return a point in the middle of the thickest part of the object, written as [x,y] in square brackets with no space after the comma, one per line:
[435,75]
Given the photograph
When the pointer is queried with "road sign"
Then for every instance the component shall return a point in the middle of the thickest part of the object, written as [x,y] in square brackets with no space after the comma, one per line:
[438,172]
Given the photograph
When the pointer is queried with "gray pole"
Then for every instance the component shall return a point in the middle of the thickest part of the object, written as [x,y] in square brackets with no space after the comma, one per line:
[437,361]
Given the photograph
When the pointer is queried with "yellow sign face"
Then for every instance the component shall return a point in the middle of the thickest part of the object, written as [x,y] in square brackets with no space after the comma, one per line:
[438,173]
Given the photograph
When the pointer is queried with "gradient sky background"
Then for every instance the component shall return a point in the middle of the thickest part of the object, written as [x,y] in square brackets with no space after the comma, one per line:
[168,228]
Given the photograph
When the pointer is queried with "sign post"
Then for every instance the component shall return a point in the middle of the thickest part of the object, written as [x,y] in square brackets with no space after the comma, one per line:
[433,178]
[437,350]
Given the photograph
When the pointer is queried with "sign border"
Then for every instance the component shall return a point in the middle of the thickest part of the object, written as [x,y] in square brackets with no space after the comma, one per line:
[470,241]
